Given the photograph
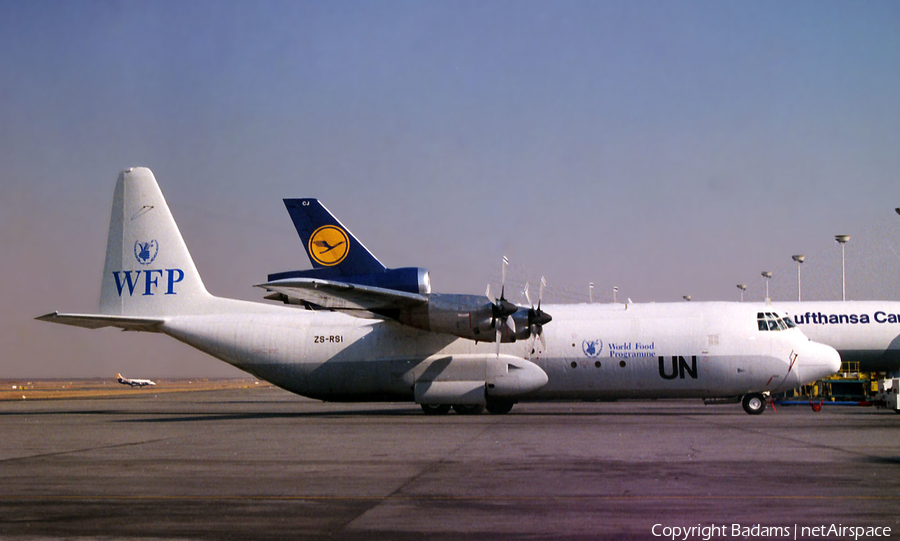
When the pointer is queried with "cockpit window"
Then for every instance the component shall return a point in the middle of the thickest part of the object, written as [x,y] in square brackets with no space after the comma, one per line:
[771,321]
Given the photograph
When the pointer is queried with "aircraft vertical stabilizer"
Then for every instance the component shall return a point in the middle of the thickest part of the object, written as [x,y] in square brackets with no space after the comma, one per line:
[338,257]
[148,269]
[328,243]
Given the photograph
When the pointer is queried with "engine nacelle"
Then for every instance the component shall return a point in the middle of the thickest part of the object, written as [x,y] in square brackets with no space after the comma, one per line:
[523,329]
[466,316]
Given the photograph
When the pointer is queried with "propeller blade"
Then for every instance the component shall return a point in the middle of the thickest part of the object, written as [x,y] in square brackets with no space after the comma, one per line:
[501,309]
[538,318]
[537,333]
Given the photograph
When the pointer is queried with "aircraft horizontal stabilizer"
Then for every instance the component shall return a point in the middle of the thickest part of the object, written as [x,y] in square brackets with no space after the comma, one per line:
[344,296]
[96,321]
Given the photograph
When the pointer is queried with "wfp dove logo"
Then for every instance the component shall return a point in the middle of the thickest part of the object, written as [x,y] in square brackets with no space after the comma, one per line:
[592,348]
[145,252]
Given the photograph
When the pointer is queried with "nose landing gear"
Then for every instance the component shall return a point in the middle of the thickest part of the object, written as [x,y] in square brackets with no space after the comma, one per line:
[754,403]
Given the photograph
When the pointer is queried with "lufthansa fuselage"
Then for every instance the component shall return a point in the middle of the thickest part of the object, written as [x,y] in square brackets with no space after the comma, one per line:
[865,333]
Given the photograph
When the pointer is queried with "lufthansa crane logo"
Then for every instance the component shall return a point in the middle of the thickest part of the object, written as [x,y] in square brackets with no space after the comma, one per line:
[328,245]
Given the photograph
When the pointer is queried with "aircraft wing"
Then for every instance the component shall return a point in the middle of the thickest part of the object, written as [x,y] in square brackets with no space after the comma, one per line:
[344,296]
[96,321]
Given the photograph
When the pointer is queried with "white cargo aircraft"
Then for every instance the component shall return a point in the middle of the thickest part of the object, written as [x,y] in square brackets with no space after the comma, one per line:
[683,350]
[134,382]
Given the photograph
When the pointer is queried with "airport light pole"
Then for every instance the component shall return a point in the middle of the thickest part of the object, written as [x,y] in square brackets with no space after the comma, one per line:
[742,287]
[591,292]
[842,240]
[615,293]
[767,275]
[799,259]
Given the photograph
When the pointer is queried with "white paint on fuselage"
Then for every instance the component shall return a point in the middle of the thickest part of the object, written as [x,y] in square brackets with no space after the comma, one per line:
[717,349]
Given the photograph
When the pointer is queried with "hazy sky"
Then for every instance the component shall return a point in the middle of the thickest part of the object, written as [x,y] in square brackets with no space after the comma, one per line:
[668,148]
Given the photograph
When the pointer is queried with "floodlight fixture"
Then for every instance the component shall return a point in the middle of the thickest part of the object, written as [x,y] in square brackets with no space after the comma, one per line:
[768,276]
[842,240]
[799,259]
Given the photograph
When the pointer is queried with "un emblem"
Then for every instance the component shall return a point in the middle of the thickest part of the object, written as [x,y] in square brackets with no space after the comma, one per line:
[145,252]
[592,348]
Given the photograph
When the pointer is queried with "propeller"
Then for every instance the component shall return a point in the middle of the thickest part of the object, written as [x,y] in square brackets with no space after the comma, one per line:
[537,318]
[501,309]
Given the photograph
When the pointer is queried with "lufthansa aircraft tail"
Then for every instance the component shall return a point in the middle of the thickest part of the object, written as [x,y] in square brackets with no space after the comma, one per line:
[337,256]
[149,273]
[328,243]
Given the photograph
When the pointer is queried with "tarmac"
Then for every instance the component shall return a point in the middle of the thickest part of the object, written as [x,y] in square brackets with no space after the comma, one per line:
[261,463]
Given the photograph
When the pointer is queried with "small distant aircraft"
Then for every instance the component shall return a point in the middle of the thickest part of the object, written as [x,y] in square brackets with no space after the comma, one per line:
[134,382]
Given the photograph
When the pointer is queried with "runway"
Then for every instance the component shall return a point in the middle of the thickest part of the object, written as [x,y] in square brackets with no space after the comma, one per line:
[262,463]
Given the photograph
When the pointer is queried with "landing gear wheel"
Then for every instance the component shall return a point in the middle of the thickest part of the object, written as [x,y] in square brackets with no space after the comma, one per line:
[468,409]
[436,409]
[500,407]
[754,403]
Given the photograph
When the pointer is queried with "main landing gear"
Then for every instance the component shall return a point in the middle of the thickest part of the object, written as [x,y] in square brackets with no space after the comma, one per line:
[500,407]
[754,403]
[436,409]
[495,407]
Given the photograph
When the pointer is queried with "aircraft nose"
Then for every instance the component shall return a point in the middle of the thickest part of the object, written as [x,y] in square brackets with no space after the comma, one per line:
[818,361]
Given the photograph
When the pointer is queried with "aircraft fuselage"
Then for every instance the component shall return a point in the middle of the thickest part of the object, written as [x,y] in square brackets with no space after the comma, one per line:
[863,332]
[593,352]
